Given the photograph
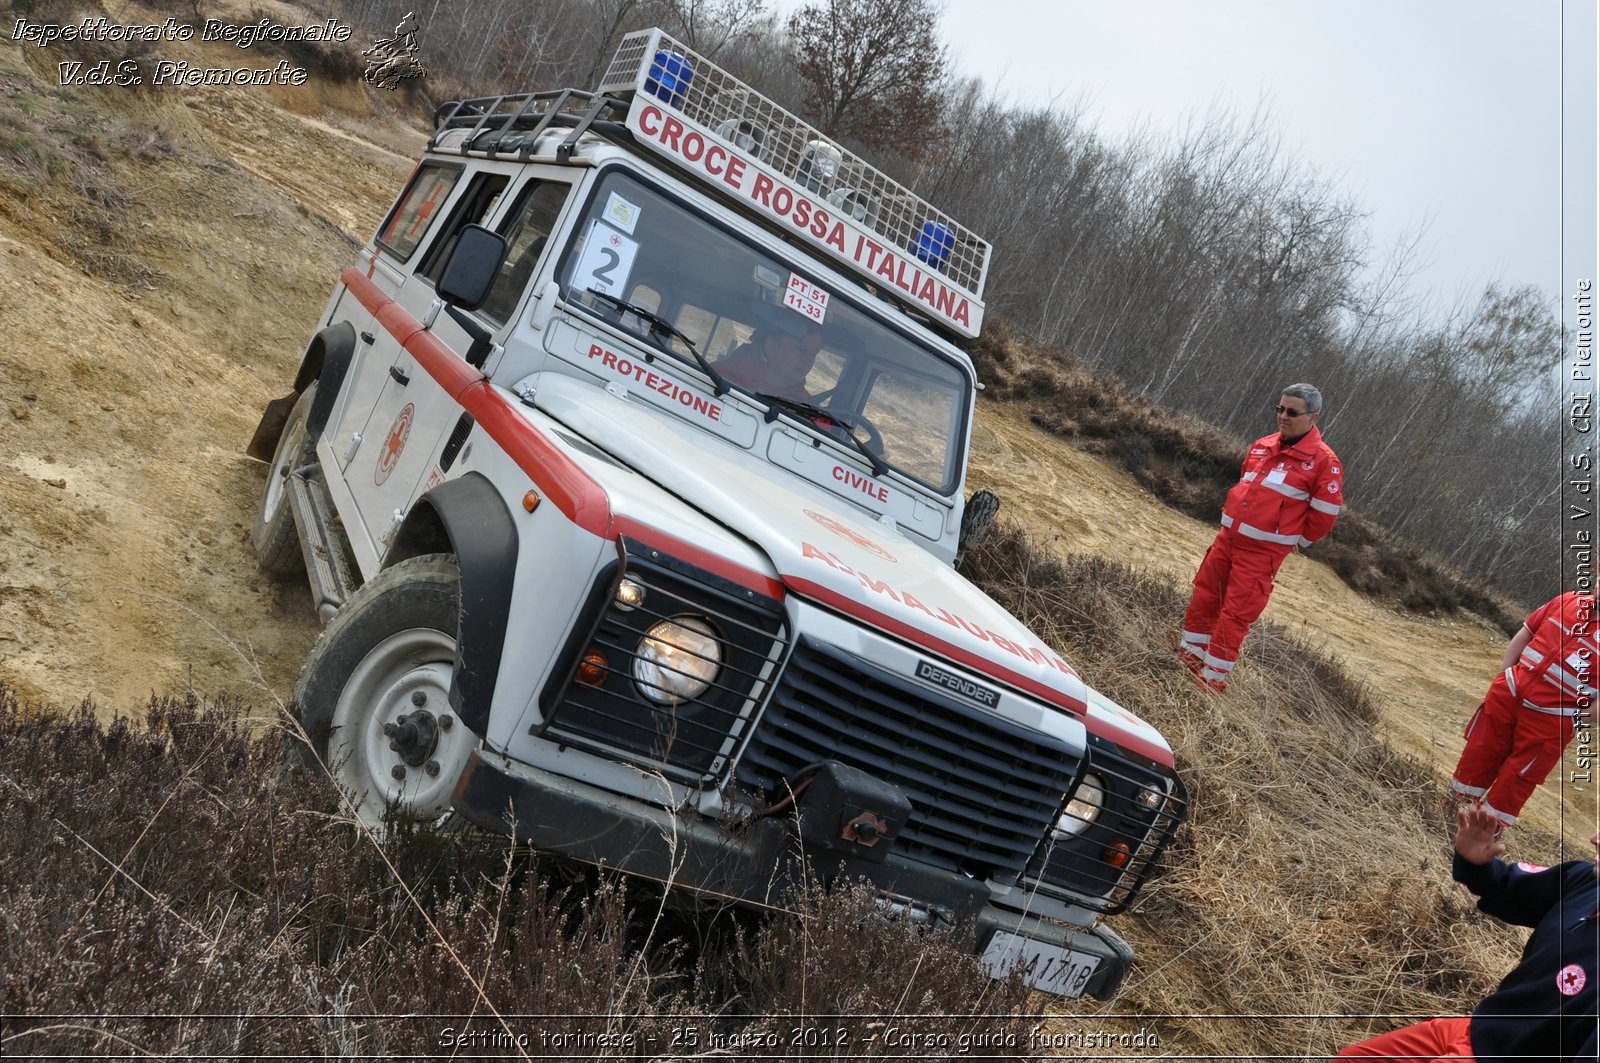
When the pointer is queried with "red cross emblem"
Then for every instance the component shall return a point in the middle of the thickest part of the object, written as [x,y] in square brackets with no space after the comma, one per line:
[852,535]
[389,456]
[1571,980]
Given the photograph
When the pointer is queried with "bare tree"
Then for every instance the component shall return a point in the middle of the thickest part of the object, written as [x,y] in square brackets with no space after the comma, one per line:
[608,19]
[873,67]
[709,26]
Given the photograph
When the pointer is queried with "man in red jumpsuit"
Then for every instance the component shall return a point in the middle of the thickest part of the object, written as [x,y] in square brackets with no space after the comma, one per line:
[1288,496]
[1528,716]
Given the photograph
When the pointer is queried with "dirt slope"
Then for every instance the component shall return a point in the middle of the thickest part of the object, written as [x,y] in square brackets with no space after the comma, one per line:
[130,392]
[131,386]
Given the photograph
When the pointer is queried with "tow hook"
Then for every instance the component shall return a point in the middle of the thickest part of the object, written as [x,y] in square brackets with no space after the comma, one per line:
[865,829]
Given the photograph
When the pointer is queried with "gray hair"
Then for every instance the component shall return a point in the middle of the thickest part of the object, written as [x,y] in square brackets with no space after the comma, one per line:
[1308,392]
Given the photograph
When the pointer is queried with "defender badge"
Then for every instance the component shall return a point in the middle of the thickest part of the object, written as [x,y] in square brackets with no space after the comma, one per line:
[958,685]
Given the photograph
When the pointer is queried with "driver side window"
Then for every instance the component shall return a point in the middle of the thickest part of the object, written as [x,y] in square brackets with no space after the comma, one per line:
[526,229]
[475,207]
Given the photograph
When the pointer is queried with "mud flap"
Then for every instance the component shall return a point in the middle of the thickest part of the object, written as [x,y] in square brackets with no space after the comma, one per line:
[276,415]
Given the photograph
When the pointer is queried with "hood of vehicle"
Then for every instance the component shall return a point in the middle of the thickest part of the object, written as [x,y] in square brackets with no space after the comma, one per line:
[825,551]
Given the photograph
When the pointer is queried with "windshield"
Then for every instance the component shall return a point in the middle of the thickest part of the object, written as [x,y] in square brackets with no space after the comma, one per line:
[652,266]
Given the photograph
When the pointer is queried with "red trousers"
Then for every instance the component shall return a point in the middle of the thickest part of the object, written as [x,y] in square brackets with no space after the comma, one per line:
[1426,1042]
[1230,591]
[1510,750]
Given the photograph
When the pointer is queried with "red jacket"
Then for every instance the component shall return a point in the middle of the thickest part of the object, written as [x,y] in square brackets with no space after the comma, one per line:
[1287,496]
[1553,673]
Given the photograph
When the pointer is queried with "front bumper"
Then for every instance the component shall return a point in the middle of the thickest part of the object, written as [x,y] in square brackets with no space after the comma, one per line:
[757,864]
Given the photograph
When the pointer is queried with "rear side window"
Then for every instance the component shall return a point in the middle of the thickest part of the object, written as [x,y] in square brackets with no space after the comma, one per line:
[418,206]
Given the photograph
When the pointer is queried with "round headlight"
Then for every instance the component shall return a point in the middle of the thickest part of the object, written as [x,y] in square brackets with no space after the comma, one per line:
[1083,809]
[676,660]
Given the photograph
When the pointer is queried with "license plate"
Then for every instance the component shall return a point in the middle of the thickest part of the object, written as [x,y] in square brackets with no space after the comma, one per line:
[1047,967]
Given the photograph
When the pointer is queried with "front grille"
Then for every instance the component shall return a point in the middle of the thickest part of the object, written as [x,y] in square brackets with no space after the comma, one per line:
[1076,865]
[688,741]
[983,791]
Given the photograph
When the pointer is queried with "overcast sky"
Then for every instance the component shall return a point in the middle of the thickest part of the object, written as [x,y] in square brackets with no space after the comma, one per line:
[1438,115]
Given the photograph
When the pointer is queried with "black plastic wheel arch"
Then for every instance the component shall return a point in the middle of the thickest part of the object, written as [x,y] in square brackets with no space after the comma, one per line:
[484,539]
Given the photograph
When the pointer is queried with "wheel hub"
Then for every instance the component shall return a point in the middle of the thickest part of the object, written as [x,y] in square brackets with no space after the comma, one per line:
[414,737]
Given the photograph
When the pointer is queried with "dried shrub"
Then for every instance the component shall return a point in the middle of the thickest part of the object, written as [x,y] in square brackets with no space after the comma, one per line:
[862,985]
[173,886]
[333,61]
[1311,877]
[63,163]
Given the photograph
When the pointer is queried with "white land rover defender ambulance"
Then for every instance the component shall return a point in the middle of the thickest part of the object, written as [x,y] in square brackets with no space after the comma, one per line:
[627,467]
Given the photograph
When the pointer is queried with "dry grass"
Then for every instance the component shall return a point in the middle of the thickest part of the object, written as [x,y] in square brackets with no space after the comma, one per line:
[73,171]
[1309,890]
[177,866]
[171,886]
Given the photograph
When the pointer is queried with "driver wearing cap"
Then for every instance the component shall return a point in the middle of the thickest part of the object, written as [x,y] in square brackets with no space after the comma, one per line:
[778,356]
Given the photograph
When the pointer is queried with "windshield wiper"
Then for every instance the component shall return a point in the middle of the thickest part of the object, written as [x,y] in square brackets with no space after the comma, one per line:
[815,413]
[661,326]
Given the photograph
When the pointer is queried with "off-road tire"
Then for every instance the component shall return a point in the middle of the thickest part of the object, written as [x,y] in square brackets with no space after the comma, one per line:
[387,657]
[274,535]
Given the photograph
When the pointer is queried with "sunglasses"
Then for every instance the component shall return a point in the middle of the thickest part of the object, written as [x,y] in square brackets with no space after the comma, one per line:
[1291,413]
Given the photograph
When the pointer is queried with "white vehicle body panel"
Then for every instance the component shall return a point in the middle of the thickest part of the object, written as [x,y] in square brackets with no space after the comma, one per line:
[812,542]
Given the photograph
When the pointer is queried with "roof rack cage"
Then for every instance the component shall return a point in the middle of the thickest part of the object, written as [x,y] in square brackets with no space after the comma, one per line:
[513,124]
[651,67]
[651,63]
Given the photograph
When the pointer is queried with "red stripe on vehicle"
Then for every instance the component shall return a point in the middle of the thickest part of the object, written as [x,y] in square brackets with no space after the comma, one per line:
[560,478]
[982,665]
[715,564]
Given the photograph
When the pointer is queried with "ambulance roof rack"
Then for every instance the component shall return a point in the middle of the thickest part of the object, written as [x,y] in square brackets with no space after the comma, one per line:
[503,125]
[652,64]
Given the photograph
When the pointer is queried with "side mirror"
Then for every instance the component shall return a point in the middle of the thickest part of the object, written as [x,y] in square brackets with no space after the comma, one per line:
[472,268]
[976,520]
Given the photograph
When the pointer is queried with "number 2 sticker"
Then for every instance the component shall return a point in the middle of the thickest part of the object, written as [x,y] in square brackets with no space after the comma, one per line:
[606,262]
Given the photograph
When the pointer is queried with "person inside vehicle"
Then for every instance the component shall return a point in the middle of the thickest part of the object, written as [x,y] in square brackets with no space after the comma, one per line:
[778,356]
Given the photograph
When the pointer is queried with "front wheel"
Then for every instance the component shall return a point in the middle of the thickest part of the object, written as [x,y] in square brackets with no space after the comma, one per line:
[374,694]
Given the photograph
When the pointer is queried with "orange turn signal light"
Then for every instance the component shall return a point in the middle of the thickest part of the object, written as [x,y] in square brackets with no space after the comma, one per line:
[1117,854]
[530,501]
[593,668]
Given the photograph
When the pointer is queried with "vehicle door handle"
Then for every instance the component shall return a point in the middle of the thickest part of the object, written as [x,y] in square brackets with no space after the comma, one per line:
[399,375]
